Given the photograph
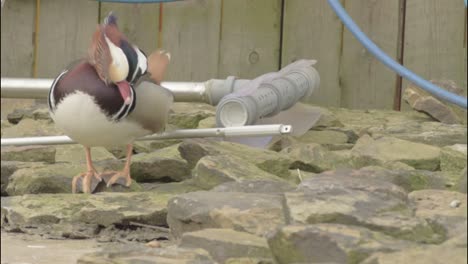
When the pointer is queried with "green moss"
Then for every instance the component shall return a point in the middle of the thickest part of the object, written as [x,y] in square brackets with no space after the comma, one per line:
[401,209]
[277,167]
[187,121]
[432,233]
[284,251]
[356,257]
[418,182]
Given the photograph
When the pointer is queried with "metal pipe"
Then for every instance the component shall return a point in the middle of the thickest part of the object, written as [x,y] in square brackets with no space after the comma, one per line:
[25,88]
[39,89]
[228,132]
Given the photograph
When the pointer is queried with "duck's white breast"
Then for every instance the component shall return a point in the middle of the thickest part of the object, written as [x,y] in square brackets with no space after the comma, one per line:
[82,119]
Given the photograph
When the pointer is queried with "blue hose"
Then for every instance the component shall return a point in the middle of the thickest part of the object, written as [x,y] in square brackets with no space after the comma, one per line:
[389,62]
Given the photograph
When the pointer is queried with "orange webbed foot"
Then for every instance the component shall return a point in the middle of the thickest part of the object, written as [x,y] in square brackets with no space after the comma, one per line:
[86,182]
[116,177]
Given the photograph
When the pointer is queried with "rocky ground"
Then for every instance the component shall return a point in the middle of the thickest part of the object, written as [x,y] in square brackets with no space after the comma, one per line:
[360,187]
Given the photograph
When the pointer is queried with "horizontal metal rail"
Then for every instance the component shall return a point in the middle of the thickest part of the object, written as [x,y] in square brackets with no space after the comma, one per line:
[36,88]
[228,132]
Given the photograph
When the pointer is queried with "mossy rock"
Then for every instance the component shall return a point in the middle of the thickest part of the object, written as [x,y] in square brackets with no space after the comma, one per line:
[369,151]
[161,165]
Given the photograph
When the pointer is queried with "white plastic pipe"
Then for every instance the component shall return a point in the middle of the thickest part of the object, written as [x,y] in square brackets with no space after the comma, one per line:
[245,131]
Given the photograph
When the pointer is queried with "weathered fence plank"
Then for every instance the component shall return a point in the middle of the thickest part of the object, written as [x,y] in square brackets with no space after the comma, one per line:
[311,30]
[17,52]
[434,40]
[250,38]
[365,81]
[139,22]
[17,42]
[191,33]
[217,38]
[65,30]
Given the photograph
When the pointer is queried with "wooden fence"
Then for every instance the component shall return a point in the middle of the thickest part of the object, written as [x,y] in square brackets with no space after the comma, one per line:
[217,38]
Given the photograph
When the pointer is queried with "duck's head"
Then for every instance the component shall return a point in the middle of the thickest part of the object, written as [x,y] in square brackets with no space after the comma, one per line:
[115,59]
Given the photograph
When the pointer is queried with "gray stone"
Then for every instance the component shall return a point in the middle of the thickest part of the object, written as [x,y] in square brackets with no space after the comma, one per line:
[76,154]
[31,128]
[249,261]
[255,186]
[301,175]
[41,213]
[451,86]
[410,180]
[364,201]
[275,163]
[162,164]
[279,143]
[462,184]
[369,151]
[29,154]
[120,152]
[453,161]
[247,212]
[360,121]
[397,165]
[314,158]
[209,122]
[4,125]
[211,171]
[336,147]
[422,255]
[41,113]
[431,133]
[223,244]
[56,178]
[328,243]
[15,116]
[324,137]
[138,253]
[435,205]
[408,125]
[429,105]
[132,232]
[171,187]
[188,115]
[8,169]
[327,117]
[160,144]
[34,112]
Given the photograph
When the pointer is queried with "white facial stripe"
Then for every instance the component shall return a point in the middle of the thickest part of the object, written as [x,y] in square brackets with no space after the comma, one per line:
[131,104]
[142,62]
[125,107]
[119,61]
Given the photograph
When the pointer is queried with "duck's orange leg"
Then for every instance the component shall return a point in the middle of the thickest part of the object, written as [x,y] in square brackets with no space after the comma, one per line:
[86,182]
[120,177]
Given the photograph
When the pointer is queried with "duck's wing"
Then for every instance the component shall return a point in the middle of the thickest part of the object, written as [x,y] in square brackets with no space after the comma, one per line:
[153,103]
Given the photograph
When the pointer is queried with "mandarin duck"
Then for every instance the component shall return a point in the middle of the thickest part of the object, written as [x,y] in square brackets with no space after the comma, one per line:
[110,99]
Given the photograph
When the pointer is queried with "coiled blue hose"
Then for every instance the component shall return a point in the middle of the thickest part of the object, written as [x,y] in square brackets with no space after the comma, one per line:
[371,47]
[389,62]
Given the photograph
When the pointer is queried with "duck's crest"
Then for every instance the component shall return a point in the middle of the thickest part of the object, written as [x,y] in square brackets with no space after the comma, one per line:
[111,19]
